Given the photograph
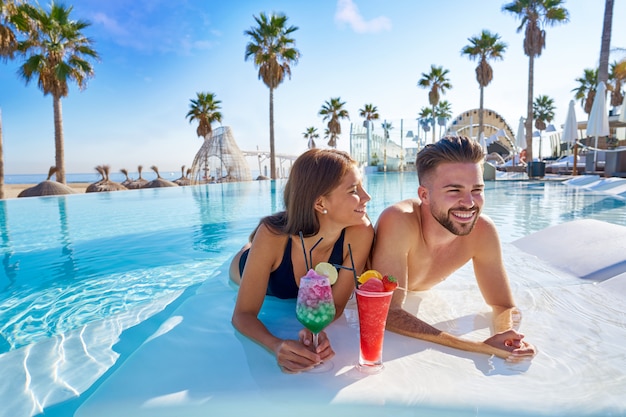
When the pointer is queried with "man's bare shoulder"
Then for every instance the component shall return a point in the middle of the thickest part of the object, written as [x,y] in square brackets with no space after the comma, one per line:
[485,226]
[404,208]
[402,215]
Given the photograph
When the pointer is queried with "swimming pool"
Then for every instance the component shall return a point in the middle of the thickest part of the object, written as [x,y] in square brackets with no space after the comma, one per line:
[87,280]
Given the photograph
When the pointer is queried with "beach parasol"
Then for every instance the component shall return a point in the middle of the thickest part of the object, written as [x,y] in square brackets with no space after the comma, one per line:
[94,187]
[139,182]
[598,123]
[159,181]
[105,184]
[130,183]
[184,178]
[47,187]
[570,132]
[520,138]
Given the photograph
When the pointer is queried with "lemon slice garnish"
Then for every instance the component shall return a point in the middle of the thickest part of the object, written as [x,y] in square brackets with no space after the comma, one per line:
[324,268]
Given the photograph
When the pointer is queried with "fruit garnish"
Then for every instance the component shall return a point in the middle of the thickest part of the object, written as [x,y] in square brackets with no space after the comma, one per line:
[370,273]
[390,283]
[372,285]
[324,268]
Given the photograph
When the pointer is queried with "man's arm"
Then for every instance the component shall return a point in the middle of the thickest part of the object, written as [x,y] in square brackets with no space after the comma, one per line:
[396,229]
[402,322]
[494,285]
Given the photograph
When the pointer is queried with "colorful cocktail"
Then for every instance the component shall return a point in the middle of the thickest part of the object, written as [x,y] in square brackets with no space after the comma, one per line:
[373,308]
[315,307]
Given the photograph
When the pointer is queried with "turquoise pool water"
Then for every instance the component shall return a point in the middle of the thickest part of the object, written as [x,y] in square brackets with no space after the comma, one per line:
[114,260]
[68,261]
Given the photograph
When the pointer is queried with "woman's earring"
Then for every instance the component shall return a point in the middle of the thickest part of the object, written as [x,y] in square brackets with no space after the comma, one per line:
[324,211]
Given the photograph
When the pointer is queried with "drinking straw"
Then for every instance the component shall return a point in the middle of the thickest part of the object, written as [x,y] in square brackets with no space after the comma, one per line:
[306,262]
[356,281]
[311,251]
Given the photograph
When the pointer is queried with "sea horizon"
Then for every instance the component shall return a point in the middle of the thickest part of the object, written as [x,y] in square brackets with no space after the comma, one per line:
[94,177]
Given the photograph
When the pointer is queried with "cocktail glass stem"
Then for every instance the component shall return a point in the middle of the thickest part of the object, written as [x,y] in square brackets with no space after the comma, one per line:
[315,340]
[324,366]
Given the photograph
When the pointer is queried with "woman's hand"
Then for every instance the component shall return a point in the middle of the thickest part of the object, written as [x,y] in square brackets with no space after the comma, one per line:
[324,349]
[295,356]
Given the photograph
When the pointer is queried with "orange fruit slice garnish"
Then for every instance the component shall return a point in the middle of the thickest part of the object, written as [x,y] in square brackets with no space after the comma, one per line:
[369,274]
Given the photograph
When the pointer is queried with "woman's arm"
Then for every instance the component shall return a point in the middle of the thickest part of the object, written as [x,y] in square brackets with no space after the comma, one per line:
[265,255]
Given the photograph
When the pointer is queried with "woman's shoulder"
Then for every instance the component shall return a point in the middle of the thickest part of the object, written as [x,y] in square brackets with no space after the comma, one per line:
[267,233]
[361,231]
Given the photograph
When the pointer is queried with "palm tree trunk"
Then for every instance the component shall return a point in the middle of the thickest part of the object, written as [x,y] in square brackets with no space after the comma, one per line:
[433,126]
[529,109]
[1,161]
[481,118]
[603,70]
[59,158]
[272,152]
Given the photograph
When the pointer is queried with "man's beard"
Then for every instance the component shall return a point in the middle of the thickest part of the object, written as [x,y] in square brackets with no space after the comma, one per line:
[446,220]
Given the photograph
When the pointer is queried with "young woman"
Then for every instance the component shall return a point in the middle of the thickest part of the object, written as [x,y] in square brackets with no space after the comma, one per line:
[323,198]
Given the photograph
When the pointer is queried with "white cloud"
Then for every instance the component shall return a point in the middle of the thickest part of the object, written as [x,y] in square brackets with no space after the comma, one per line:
[348,12]
[110,25]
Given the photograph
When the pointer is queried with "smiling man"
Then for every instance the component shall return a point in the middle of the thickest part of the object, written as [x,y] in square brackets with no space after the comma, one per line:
[424,240]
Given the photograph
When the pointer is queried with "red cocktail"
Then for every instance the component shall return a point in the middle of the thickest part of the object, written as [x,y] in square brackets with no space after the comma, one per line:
[373,308]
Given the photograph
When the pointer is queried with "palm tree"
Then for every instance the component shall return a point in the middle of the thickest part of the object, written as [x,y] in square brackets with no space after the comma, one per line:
[56,52]
[12,23]
[483,48]
[534,14]
[603,70]
[327,134]
[333,111]
[443,112]
[586,90]
[273,51]
[425,119]
[617,76]
[205,109]
[311,134]
[437,82]
[369,112]
[543,112]
[8,29]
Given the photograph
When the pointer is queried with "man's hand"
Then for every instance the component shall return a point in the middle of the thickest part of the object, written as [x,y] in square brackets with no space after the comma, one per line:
[512,342]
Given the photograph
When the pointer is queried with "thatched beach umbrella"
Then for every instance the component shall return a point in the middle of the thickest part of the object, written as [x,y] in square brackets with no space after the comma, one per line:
[139,182]
[184,179]
[128,181]
[105,184]
[47,187]
[159,181]
[95,187]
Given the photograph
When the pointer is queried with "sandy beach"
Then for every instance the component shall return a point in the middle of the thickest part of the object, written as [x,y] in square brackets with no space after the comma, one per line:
[12,190]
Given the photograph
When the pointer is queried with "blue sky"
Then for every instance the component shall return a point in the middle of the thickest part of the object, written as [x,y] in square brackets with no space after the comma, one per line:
[156,55]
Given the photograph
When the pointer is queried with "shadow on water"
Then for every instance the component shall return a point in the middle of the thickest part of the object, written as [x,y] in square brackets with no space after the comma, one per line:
[67,268]
[604,204]
[10,267]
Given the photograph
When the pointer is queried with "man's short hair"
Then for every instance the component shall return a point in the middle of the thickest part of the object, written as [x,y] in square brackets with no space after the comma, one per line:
[447,149]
